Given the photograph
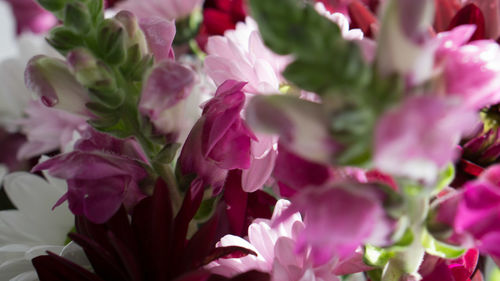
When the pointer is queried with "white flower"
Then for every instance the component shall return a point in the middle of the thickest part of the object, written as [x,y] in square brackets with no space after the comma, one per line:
[14,96]
[341,21]
[33,228]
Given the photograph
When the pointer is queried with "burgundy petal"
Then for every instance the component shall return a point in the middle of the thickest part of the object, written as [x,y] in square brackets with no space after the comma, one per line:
[470,14]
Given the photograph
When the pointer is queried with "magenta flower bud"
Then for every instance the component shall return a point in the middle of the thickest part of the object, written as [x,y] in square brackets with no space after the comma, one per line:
[102,173]
[167,86]
[52,81]
[220,140]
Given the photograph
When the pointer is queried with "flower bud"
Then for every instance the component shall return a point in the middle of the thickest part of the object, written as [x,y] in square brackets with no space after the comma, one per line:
[77,17]
[63,39]
[111,38]
[96,76]
[135,36]
[51,79]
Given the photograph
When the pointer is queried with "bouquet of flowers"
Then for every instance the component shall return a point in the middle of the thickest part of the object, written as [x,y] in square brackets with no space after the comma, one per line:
[286,140]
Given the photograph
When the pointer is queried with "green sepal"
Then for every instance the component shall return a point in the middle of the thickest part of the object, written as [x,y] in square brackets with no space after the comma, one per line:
[96,10]
[167,153]
[119,129]
[377,257]
[436,248]
[64,39]
[111,39]
[404,242]
[445,178]
[207,207]
[77,17]
[102,94]
[188,27]
[375,274]
[52,5]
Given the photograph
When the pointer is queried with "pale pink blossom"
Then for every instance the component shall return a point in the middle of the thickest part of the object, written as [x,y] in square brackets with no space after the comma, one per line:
[166,9]
[47,129]
[241,55]
[276,252]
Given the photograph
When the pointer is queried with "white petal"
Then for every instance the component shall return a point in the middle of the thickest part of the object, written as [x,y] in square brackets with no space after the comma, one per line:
[27,231]
[41,250]
[75,253]
[34,197]
[13,268]
[26,276]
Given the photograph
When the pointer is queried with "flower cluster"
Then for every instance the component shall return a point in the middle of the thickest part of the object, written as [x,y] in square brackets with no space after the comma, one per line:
[289,140]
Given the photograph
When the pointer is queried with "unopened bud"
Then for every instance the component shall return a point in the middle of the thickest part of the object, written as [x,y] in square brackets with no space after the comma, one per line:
[111,38]
[96,76]
[52,81]
[63,39]
[77,17]
[135,36]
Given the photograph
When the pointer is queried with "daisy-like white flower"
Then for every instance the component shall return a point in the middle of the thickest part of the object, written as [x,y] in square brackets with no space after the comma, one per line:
[33,228]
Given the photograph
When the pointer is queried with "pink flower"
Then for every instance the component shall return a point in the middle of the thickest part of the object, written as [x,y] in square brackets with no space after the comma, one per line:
[241,55]
[460,269]
[470,71]
[339,218]
[163,95]
[166,9]
[406,144]
[30,16]
[473,212]
[47,129]
[478,211]
[102,174]
[220,140]
[276,254]
[159,35]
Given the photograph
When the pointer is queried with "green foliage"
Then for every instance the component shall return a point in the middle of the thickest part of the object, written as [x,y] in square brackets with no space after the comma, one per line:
[327,64]
[440,249]
[324,61]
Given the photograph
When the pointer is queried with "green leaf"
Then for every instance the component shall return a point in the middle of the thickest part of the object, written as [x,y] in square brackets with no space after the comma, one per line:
[52,5]
[445,178]
[494,275]
[440,249]
[324,61]
[375,256]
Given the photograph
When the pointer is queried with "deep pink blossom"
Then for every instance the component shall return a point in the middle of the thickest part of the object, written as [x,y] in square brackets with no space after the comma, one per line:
[31,17]
[438,269]
[474,212]
[102,173]
[220,140]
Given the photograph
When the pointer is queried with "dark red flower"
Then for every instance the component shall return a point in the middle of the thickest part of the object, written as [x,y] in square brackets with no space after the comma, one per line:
[219,16]
[152,246]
